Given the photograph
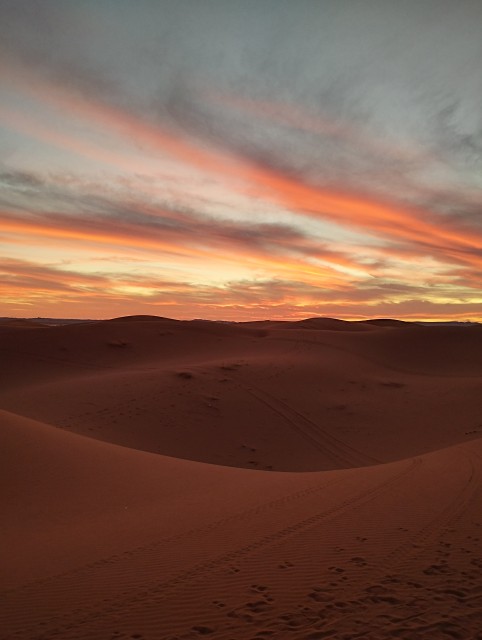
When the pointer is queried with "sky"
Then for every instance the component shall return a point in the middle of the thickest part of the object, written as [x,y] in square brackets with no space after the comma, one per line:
[241,159]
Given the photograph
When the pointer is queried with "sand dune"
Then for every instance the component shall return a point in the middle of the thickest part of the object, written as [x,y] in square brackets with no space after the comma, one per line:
[280,398]
[165,479]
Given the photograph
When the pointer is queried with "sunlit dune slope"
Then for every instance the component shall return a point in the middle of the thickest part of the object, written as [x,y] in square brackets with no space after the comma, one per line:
[106,542]
[64,493]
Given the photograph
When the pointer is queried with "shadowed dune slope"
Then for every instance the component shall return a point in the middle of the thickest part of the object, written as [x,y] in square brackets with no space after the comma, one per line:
[277,398]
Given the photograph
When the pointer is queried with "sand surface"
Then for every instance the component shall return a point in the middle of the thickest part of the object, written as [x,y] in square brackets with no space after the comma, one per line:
[173,480]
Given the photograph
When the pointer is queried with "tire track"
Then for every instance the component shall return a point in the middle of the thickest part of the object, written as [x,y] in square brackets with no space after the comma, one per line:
[318,437]
[447,517]
[81,577]
[72,621]
[402,556]
[239,516]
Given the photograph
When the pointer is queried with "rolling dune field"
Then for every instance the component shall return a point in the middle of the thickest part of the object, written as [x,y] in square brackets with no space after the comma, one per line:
[170,480]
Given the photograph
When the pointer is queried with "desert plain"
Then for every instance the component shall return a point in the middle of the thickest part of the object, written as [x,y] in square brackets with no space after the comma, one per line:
[172,480]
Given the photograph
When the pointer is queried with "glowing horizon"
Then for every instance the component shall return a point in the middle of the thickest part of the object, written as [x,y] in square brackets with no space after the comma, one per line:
[148,167]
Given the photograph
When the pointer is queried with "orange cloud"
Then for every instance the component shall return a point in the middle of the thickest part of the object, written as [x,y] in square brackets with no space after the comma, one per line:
[410,231]
[46,288]
[388,220]
[355,210]
[182,243]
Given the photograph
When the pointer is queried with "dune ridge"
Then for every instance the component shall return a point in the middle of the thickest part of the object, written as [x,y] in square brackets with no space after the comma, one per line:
[168,479]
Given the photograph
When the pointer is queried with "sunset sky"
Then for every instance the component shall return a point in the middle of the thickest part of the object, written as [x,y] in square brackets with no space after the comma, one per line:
[241,159]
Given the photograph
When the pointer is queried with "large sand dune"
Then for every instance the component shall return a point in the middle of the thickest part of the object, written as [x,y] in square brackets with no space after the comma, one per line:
[165,479]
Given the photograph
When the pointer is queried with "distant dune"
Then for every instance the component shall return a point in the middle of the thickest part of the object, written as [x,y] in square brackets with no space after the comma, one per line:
[19,323]
[165,479]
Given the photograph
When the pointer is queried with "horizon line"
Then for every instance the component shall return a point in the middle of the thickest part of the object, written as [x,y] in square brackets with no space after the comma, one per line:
[199,319]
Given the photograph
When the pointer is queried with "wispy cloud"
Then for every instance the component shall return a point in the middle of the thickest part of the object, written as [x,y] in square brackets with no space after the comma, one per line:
[183,236]
[313,159]
[119,292]
[261,179]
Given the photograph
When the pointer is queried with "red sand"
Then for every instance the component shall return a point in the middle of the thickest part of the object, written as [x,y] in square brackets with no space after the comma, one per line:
[171,480]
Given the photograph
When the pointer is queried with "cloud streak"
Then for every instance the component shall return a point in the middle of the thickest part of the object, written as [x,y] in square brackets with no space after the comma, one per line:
[25,282]
[330,161]
[359,210]
[184,237]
